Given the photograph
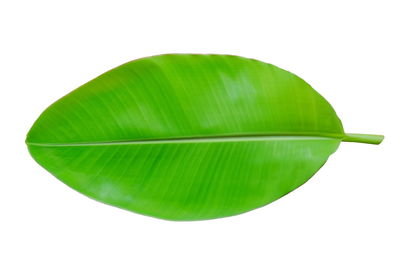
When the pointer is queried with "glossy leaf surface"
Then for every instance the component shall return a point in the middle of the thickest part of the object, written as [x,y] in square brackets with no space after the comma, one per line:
[188,137]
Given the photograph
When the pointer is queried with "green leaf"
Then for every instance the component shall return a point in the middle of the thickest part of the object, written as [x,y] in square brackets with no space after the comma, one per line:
[189,137]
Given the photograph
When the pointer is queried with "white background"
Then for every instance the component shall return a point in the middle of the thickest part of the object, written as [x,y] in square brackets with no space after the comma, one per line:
[346,215]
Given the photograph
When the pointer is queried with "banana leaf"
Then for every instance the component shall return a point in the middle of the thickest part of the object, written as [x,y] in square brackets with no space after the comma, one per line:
[189,137]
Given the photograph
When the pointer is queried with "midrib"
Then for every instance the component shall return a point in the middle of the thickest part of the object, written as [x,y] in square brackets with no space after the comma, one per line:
[204,139]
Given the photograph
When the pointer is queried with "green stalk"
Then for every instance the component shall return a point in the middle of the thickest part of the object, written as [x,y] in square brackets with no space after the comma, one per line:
[363,138]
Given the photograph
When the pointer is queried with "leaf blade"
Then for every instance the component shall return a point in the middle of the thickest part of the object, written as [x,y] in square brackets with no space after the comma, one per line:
[188,137]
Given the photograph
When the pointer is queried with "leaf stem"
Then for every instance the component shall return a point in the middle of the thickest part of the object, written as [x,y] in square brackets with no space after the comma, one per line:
[363,138]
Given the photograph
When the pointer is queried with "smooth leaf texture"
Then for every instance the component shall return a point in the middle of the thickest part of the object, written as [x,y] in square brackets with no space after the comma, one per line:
[189,137]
